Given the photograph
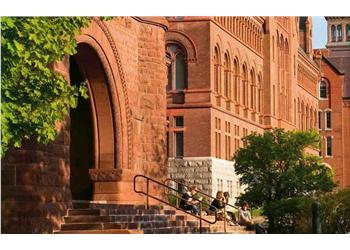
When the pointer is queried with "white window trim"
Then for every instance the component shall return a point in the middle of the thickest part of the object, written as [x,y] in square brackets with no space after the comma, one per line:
[325,119]
[326,145]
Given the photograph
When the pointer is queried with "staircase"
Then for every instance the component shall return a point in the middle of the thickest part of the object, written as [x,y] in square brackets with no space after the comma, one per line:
[97,218]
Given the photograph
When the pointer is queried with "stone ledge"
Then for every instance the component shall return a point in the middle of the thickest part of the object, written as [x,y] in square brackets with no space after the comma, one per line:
[105,174]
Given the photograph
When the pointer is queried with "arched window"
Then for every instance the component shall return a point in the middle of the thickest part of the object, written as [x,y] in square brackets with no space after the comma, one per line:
[169,72]
[340,33]
[323,90]
[348,32]
[333,33]
[216,70]
[245,87]
[177,67]
[227,82]
[260,95]
[252,89]
[236,87]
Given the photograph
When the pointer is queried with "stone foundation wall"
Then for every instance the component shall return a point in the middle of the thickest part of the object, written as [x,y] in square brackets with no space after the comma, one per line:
[35,192]
[204,172]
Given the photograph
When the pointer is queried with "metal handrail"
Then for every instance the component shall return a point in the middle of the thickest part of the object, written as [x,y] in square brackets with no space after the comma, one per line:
[209,196]
[148,180]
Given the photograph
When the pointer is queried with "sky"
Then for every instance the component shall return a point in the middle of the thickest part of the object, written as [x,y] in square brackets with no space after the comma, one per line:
[319,32]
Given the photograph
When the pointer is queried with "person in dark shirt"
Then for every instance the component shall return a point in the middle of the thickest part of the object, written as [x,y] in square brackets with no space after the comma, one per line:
[219,203]
[188,202]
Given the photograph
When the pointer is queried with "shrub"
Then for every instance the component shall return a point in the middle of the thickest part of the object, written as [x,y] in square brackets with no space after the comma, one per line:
[335,212]
[293,215]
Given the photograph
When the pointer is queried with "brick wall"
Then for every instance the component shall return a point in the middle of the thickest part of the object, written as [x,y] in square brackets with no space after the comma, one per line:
[36,179]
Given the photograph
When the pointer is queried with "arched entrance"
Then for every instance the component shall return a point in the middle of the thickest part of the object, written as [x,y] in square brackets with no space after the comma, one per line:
[92,143]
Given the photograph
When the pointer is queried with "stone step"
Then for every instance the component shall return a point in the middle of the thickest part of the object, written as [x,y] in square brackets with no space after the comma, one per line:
[81,204]
[108,218]
[82,226]
[72,212]
[108,231]
[124,211]
[170,230]
[87,218]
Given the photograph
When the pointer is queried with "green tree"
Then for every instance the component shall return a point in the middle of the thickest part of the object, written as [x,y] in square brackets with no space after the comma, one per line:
[276,167]
[34,97]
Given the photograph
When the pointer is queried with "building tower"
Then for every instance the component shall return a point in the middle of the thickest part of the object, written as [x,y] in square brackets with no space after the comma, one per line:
[334,91]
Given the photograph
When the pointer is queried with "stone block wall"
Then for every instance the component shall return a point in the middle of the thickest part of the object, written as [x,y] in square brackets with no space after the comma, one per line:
[204,172]
[35,191]
[36,179]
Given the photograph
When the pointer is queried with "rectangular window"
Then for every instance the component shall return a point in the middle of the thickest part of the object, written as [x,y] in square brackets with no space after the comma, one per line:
[230,187]
[217,137]
[245,133]
[329,146]
[320,119]
[178,122]
[328,119]
[220,184]
[179,144]
[228,155]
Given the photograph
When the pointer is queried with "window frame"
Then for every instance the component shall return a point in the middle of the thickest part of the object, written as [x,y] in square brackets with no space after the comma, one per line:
[326,89]
[176,156]
[326,112]
[334,33]
[329,145]
[183,121]
[339,33]
[171,55]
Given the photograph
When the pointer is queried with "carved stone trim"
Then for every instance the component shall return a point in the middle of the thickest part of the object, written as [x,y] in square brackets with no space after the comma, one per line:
[105,174]
[110,39]
[186,41]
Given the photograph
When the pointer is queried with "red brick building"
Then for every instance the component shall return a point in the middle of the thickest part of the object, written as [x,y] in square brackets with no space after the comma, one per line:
[216,79]
[118,132]
[229,77]
[334,108]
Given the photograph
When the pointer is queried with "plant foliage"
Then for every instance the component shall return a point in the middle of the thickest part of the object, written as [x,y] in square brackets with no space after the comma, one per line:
[275,167]
[34,97]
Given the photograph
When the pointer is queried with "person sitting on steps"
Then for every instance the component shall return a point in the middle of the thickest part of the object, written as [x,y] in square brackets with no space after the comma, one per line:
[218,206]
[245,219]
[188,203]
[229,210]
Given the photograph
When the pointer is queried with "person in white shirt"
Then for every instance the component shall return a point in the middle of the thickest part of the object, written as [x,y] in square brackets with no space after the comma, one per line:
[245,219]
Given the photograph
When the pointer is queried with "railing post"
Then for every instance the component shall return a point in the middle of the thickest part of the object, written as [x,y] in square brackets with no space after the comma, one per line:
[316,223]
[177,191]
[147,187]
[200,217]
[225,218]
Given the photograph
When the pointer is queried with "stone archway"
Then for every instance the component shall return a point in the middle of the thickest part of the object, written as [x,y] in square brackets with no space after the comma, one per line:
[92,131]
[93,118]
